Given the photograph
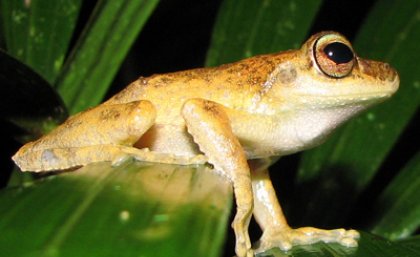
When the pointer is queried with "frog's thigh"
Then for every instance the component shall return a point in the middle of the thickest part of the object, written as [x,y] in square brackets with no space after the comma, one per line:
[103,133]
[276,232]
[121,124]
[209,125]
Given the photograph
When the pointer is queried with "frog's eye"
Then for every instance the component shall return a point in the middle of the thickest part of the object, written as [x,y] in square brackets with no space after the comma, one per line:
[334,57]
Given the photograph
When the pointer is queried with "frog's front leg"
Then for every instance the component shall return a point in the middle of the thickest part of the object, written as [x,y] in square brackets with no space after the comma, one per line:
[276,231]
[104,133]
[209,125]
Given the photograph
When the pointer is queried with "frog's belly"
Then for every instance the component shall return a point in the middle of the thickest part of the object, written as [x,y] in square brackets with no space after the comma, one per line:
[169,139]
[173,144]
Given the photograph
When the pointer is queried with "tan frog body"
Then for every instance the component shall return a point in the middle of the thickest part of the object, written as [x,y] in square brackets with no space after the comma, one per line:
[238,117]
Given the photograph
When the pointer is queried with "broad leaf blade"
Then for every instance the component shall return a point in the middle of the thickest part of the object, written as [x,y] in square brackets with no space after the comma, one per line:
[399,204]
[247,28]
[152,210]
[38,32]
[412,242]
[28,100]
[105,41]
[344,166]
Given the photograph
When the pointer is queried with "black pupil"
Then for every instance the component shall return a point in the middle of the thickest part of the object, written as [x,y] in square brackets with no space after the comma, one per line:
[338,52]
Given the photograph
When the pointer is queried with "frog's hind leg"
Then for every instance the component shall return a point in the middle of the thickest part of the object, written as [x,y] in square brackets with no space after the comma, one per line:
[276,231]
[104,133]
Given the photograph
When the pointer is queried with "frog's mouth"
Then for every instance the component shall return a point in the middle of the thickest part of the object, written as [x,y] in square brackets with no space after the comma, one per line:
[322,95]
[345,100]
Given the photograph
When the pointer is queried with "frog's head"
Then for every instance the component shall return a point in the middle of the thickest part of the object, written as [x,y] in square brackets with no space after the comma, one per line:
[325,83]
[326,72]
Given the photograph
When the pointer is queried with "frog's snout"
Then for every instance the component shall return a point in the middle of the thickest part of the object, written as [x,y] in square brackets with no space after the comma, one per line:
[392,76]
[377,70]
[380,71]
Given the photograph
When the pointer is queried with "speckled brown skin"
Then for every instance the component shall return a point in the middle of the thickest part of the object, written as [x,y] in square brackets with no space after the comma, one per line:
[239,117]
[234,85]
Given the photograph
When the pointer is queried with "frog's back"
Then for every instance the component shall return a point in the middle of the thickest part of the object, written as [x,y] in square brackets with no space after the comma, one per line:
[232,85]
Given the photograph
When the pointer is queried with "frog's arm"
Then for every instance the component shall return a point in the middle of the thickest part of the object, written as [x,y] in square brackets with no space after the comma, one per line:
[103,133]
[209,125]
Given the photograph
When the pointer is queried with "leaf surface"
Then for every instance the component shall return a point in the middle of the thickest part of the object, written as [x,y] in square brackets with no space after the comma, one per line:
[99,210]
[99,52]
[247,28]
[38,32]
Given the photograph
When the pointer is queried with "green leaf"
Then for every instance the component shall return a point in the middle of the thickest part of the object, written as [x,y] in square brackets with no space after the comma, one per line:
[29,103]
[152,209]
[112,28]
[398,205]
[411,242]
[247,28]
[341,168]
[38,32]
[135,208]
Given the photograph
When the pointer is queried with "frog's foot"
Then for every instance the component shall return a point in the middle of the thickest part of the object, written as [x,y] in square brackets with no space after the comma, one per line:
[243,243]
[285,239]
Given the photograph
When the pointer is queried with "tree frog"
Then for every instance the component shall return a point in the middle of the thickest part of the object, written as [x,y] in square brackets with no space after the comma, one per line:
[238,117]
